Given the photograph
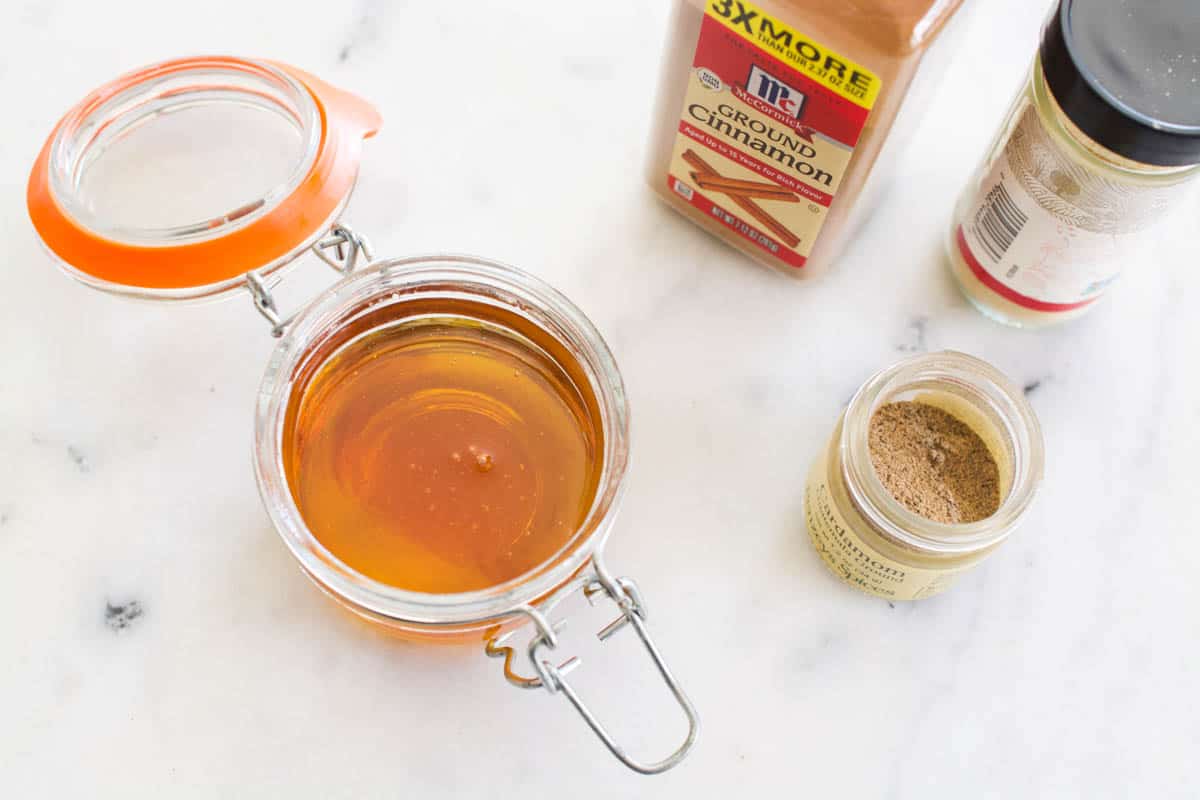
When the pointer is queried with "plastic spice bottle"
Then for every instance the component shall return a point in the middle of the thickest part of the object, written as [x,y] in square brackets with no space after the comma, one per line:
[1101,143]
[773,116]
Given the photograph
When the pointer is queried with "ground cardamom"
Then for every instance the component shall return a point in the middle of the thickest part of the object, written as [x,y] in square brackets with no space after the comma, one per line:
[933,463]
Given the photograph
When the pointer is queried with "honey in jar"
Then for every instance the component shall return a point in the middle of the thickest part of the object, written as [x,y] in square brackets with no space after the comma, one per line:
[442,453]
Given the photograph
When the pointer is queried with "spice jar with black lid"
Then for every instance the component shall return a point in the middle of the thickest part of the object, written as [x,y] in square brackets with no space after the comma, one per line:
[1100,145]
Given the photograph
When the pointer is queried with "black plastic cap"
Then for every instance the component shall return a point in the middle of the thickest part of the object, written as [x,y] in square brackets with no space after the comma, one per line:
[1127,73]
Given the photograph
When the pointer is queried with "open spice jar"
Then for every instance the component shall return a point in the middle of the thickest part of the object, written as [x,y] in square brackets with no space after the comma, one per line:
[875,542]
[442,442]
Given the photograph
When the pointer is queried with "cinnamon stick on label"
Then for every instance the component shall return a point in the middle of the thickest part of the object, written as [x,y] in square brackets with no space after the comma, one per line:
[746,204]
[766,191]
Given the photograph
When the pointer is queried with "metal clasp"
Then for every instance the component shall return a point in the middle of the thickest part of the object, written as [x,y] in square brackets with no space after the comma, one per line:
[339,249]
[552,677]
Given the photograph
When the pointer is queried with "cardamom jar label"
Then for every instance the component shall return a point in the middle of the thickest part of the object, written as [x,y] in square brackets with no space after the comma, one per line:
[852,559]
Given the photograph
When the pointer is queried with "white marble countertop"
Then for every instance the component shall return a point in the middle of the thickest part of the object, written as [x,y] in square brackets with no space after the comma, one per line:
[156,638]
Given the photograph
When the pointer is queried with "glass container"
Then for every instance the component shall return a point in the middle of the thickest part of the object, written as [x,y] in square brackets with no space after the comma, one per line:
[870,540]
[204,177]
[1101,144]
[381,296]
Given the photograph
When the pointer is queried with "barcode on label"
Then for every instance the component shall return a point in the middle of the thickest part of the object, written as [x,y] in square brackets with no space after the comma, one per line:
[998,221]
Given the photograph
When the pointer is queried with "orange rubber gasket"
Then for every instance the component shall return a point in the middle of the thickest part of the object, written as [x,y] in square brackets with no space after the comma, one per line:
[345,121]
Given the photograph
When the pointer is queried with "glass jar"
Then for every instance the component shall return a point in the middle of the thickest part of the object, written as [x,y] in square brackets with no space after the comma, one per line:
[871,541]
[378,297]
[1100,145]
[204,177]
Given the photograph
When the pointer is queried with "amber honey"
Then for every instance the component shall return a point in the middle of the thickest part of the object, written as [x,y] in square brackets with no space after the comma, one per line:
[444,452]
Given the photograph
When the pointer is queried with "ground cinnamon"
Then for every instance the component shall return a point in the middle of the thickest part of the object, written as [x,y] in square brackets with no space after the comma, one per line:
[933,463]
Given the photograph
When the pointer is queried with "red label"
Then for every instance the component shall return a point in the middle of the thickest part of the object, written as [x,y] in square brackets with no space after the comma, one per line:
[1008,293]
[763,144]
[731,58]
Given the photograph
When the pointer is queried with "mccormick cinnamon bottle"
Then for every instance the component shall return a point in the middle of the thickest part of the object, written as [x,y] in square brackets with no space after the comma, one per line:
[773,116]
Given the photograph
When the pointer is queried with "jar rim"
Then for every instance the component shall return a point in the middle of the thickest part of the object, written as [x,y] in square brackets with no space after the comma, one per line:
[991,392]
[395,281]
[159,89]
[206,249]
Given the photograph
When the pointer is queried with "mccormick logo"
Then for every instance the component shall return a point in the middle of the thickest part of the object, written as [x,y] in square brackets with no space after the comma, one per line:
[774,92]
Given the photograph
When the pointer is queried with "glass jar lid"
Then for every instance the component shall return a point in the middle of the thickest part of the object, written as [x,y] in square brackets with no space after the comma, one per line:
[175,180]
